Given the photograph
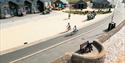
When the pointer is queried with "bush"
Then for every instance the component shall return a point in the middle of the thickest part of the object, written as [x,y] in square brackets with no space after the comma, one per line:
[77,12]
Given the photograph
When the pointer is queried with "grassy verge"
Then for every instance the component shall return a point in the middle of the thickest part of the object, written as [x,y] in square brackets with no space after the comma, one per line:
[85,12]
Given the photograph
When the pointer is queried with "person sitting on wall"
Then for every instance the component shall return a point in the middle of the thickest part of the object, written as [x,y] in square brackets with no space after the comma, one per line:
[88,47]
[68,27]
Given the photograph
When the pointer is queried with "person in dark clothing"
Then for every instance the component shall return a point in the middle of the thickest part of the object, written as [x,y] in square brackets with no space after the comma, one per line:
[69,15]
[94,13]
[75,29]
[68,27]
[88,47]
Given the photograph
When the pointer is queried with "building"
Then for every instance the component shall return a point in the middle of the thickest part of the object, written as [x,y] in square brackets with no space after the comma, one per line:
[9,8]
[59,4]
[78,4]
[81,4]
[100,4]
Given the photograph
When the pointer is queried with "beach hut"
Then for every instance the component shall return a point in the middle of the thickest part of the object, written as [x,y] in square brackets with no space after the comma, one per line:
[43,5]
[59,4]
[4,9]
[10,8]
[100,4]
[28,6]
[1,9]
[80,5]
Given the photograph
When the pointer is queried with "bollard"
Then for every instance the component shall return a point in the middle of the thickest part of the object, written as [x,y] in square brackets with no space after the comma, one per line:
[114,25]
[111,26]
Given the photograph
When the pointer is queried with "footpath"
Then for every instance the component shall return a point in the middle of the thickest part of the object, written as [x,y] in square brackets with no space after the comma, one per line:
[115,47]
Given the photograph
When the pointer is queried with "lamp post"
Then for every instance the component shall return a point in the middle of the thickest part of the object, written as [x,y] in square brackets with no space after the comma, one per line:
[113,13]
[112,24]
[69,15]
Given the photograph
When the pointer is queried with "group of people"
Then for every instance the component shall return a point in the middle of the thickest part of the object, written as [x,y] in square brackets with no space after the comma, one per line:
[88,48]
[91,15]
[69,28]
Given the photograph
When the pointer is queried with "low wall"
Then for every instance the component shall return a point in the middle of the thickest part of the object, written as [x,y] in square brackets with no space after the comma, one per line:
[107,35]
[64,59]
[99,58]
[86,58]
[83,58]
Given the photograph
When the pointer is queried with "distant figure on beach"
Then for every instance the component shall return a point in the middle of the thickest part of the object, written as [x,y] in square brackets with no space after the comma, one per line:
[69,16]
[68,27]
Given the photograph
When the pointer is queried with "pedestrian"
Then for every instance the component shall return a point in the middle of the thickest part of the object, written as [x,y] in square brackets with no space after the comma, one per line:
[94,13]
[88,47]
[89,16]
[68,27]
[75,29]
[69,15]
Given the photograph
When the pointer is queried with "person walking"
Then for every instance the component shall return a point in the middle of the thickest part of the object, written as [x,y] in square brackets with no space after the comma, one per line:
[69,15]
[68,27]
[75,29]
